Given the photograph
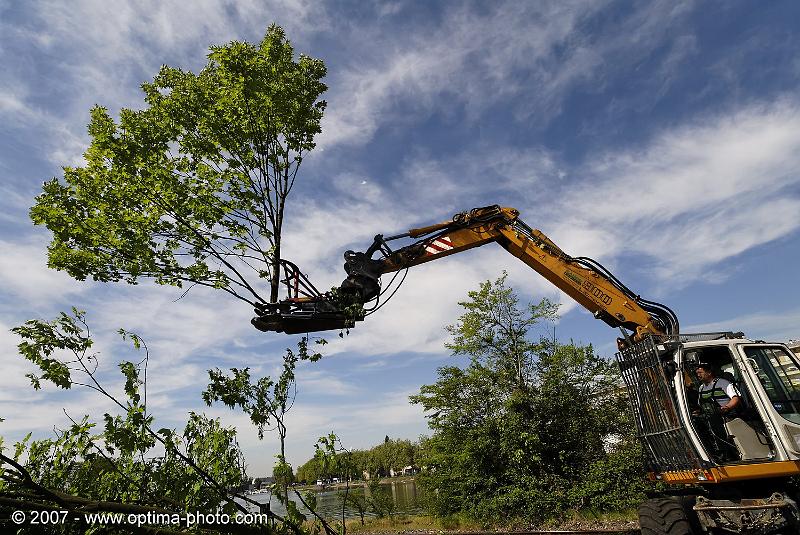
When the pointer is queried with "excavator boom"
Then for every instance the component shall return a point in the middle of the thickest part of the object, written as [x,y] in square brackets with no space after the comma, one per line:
[583,279]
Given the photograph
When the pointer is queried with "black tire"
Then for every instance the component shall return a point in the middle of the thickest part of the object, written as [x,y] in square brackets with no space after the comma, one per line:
[664,516]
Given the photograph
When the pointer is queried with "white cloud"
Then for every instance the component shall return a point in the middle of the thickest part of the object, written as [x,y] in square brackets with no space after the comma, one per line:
[311,381]
[11,103]
[105,50]
[699,165]
[14,205]
[184,338]
[13,383]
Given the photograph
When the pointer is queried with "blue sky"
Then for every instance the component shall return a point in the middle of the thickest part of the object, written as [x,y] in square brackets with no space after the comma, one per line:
[660,138]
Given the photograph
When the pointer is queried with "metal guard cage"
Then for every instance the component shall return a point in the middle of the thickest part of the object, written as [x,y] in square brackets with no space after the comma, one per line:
[652,399]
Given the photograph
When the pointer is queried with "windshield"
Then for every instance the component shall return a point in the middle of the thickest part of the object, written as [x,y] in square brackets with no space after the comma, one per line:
[778,371]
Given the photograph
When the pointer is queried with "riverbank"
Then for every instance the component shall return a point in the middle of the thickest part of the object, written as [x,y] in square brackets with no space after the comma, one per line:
[353,484]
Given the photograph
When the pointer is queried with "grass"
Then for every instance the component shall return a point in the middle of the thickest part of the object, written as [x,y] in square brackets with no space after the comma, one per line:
[590,519]
[401,522]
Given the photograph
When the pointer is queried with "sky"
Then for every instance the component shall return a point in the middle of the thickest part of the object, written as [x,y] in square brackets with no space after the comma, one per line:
[660,138]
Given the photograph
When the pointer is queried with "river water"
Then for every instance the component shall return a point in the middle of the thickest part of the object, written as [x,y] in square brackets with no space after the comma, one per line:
[329,502]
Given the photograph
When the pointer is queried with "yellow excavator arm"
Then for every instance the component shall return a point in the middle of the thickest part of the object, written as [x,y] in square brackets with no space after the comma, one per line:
[583,279]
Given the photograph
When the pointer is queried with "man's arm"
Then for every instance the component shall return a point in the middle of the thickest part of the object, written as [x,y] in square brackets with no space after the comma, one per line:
[732,393]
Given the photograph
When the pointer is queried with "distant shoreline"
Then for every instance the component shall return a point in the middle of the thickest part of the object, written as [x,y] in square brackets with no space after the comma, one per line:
[355,484]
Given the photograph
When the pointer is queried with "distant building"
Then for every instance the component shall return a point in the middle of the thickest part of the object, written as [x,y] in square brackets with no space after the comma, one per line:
[405,471]
[794,345]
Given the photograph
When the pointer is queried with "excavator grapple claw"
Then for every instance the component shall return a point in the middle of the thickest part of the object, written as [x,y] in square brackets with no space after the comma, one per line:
[292,323]
[302,315]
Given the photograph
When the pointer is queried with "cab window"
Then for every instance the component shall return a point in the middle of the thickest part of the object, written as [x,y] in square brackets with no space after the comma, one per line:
[779,374]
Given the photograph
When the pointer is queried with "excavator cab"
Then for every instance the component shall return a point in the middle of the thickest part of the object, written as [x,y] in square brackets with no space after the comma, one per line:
[740,463]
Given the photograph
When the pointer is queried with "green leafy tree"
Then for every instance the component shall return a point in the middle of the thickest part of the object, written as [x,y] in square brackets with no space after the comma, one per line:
[128,466]
[358,465]
[576,406]
[192,187]
[310,471]
[392,456]
[495,332]
[521,433]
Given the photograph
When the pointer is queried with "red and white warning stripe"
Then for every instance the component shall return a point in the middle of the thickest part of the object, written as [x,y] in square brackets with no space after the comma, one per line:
[439,245]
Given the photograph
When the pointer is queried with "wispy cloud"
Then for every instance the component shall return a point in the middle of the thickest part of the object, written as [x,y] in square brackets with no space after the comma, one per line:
[467,60]
[699,193]
[322,383]
[531,53]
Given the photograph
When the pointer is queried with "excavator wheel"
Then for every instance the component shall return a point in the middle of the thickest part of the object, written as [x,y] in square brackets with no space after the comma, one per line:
[664,516]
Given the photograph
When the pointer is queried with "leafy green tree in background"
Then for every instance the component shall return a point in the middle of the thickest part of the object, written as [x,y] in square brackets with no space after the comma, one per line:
[377,462]
[494,332]
[522,433]
[192,187]
[310,471]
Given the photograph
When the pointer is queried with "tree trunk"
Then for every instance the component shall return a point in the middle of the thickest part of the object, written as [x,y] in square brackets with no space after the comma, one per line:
[274,282]
[276,255]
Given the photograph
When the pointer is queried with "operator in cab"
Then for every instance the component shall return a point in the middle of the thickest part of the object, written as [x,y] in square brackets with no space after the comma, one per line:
[717,400]
[718,389]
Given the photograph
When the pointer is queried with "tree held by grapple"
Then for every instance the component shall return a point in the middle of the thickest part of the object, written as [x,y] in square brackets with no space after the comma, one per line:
[191,188]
